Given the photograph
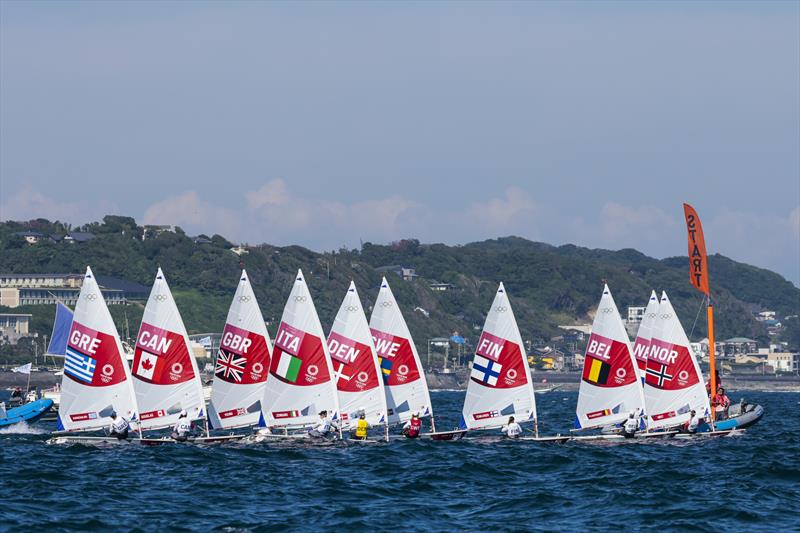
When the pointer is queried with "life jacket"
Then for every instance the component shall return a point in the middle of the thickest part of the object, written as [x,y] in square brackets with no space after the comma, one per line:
[119,425]
[361,428]
[413,430]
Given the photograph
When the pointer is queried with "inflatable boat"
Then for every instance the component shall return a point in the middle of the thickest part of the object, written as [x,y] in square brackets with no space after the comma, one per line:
[29,412]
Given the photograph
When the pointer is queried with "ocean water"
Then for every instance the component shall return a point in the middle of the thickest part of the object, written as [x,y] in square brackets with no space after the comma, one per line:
[747,483]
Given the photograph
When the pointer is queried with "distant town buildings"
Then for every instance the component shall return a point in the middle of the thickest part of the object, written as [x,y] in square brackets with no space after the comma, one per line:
[240,250]
[635,316]
[46,288]
[152,231]
[13,326]
[407,273]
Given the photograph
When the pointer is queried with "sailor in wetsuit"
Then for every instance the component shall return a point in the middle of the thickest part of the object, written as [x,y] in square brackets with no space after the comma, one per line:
[412,428]
[119,426]
[322,428]
[694,422]
[512,429]
[183,428]
[361,427]
[630,426]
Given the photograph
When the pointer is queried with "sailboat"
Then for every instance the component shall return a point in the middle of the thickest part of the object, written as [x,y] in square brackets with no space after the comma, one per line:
[242,366]
[359,380]
[673,384]
[401,369]
[610,389]
[642,343]
[58,347]
[166,379]
[96,380]
[301,383]
[500,384]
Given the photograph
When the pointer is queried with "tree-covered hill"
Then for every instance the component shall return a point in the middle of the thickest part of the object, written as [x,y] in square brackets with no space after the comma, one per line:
[548,285]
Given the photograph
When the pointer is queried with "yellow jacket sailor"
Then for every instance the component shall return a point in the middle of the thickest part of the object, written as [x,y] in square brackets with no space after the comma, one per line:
[361,427]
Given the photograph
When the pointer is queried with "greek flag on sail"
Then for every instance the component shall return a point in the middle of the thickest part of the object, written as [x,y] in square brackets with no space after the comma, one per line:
[79,366]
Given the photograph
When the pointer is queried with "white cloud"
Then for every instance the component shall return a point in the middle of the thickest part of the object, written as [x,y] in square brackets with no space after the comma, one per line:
[28,203]
[794,221]
[505,213]
[192,213]
[620,222]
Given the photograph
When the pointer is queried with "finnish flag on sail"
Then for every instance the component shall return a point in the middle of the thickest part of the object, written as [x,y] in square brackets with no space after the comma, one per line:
[485,370]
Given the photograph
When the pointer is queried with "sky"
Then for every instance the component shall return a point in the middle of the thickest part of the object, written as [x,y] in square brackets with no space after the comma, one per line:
[328,124]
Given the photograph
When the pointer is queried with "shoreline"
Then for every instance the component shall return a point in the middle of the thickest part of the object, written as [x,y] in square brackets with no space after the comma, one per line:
[543,382]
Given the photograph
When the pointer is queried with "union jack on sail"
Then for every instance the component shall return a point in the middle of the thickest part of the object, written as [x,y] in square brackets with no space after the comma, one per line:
[230,366]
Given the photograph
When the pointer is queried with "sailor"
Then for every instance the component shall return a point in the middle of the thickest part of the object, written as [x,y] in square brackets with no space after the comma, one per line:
[183,428]
[412,428]
[721,404]
[322,427]
[694,422]
[512,429]
[630,426]
[119,426]
[361,427]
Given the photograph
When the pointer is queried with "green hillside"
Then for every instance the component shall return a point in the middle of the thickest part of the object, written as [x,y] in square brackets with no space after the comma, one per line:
[548,285]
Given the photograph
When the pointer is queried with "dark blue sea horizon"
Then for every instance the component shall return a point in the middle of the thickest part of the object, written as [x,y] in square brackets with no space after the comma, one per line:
[746,483]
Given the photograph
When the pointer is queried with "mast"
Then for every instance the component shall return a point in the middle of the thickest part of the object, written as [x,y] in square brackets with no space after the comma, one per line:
[698,275]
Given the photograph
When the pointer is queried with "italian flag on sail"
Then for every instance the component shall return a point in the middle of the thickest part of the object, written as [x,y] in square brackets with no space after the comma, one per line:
[288,367]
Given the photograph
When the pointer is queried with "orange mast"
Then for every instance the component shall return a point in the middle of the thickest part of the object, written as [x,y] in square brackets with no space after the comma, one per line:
[698,274]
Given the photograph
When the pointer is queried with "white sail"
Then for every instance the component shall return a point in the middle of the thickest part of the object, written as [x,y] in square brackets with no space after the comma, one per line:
[355,364]
[674,384]
[97,380]
[500,383]
[301,383]
[610,389]
[644,334]
[243,360]
[165,374]
[403,375]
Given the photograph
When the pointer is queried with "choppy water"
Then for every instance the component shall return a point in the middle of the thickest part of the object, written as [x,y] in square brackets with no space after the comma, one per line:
[747,483]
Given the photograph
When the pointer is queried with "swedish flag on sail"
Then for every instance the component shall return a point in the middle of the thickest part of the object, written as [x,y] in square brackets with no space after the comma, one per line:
[386,368]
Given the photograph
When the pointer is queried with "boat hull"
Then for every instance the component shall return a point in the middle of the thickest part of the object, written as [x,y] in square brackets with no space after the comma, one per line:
[146,441]
[445,435]
[29,412]
[743,420]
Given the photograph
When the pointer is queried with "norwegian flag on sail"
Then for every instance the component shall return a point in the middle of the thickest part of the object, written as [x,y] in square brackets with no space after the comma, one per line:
[670,366]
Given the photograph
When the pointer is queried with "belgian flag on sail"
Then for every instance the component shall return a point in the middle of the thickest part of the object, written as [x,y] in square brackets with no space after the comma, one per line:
[596,371]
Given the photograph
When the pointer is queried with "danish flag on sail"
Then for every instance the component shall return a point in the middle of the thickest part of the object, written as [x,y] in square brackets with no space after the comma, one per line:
[96,379]
[673,384]
[642,344]
[243,361]
[403,376]
[500,384]
[165,374]
[300,383]
[610,383]
[355,364]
